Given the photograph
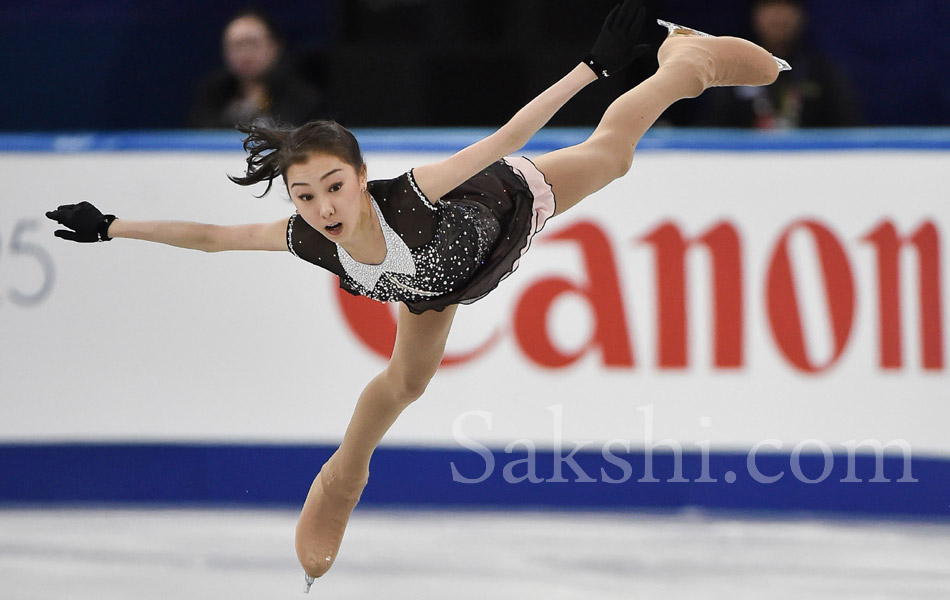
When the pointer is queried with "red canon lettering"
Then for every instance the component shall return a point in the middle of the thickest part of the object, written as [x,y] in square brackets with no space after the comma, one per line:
[888,244]
[784,316]
[602,293]
[375,326]
[669,247]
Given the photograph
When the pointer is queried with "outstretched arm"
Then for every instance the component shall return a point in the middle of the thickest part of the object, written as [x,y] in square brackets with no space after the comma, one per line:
[615,48]
[208,238]
[86,223]
[437,179]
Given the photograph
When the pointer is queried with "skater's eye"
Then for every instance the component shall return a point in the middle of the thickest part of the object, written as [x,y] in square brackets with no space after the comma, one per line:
[336,187]
[305,197]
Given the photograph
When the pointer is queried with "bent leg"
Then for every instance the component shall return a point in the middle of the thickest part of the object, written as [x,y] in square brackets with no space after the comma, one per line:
[688,65]
[578,171]
[420,343]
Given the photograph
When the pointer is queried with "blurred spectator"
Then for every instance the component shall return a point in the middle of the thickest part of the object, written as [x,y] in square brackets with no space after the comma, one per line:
[258,80]
[813,94]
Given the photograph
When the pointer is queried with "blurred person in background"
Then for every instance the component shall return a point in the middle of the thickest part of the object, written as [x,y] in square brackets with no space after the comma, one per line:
[258,80]
[815,93]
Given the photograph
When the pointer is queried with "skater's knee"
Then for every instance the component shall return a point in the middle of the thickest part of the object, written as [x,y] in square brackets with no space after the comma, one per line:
[613,152]
[622,161]
[413,386]
[616,156]
[408,384]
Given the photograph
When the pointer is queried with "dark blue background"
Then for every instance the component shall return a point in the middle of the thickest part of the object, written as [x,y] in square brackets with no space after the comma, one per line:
[123,64]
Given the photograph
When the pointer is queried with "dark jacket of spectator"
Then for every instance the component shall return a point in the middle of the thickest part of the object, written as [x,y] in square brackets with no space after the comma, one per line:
[813,94]
[289,99]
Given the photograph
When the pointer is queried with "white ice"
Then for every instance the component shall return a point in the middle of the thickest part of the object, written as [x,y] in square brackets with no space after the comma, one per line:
[103,554]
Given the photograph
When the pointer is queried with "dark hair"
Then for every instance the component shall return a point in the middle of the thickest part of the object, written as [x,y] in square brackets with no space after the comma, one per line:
[272,149]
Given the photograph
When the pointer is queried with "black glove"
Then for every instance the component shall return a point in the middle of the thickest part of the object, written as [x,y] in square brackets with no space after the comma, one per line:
[87,223]
[614,48]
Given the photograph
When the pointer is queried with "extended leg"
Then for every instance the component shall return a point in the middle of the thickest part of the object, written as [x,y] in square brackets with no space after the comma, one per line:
[688,65]
[420,343]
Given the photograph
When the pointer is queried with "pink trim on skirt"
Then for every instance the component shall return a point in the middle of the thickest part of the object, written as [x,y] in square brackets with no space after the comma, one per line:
[544,203]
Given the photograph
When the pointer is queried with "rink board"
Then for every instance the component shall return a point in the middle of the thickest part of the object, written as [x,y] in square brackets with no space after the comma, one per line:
[279,475]
[656,316]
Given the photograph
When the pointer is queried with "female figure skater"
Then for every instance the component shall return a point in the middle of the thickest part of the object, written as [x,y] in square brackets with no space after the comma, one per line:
[441,234]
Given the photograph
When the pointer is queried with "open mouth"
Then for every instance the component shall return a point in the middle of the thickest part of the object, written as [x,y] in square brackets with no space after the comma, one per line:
[334,229]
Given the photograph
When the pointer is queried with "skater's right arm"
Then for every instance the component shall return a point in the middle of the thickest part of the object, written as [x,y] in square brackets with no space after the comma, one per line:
[86,223]
[207,238]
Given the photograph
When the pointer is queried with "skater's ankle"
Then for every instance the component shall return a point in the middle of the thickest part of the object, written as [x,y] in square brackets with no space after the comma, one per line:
[689,74]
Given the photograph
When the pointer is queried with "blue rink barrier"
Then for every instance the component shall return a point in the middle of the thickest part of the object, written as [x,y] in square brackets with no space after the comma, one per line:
[451,140]
[265,475]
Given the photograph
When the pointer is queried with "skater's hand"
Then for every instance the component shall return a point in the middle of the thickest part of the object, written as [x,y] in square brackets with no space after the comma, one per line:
[86,223]
[614,48]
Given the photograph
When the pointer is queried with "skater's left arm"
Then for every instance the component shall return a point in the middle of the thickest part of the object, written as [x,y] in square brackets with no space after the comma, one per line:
[615,48]
[437,179]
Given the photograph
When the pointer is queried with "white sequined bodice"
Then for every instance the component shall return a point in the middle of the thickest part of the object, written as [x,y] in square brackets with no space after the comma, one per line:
[398,258]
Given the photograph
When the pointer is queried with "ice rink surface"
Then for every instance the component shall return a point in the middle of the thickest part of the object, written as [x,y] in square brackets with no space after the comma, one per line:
[103,554]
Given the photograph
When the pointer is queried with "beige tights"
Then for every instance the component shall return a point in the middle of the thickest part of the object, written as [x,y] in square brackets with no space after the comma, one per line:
[688,65]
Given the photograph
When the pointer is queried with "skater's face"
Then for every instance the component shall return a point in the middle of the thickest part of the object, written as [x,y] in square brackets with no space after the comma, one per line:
[330,195]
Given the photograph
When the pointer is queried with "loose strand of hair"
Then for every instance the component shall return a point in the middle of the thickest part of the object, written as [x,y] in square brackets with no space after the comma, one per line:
[263,145]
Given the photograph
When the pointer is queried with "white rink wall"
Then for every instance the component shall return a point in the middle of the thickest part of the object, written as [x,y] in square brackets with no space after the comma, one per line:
[743,322]
[134,341]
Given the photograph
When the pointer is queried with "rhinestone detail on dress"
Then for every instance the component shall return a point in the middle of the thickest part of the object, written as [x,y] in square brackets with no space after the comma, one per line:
[290,235]
[398,258]
[415,188]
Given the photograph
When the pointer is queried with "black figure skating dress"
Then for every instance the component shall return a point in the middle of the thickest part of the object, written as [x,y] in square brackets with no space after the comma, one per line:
[453,251]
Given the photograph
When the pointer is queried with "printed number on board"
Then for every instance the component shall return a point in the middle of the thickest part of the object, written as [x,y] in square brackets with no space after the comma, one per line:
[24,258]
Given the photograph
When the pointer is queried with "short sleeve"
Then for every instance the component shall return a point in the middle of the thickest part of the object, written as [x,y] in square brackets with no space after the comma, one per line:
[406,209]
